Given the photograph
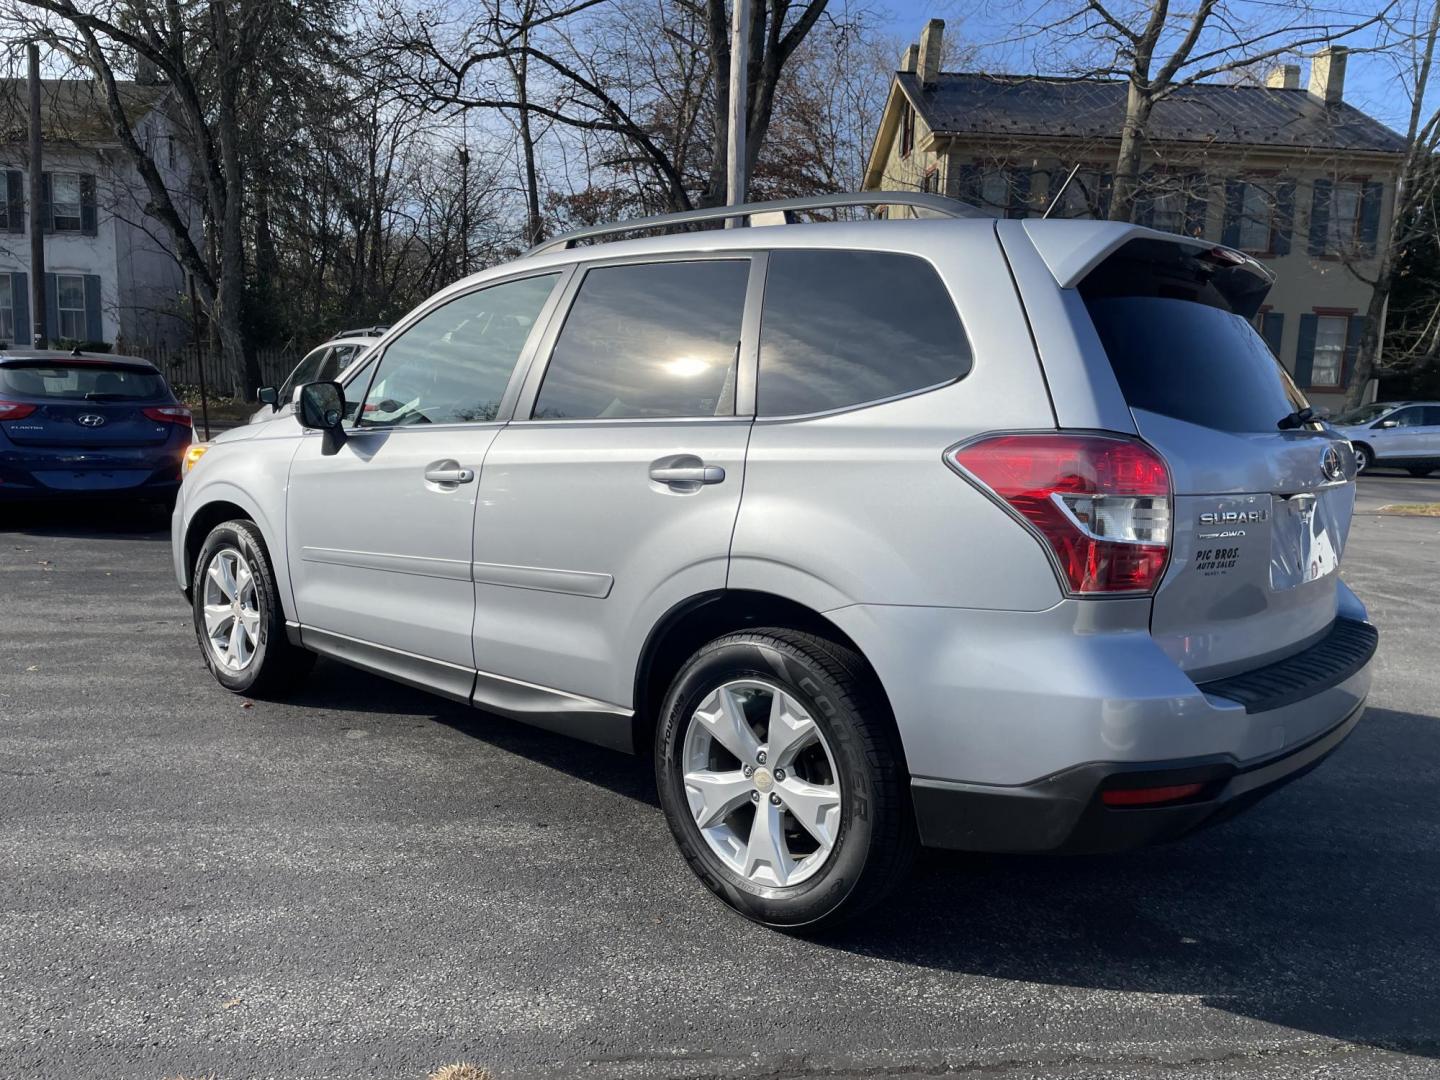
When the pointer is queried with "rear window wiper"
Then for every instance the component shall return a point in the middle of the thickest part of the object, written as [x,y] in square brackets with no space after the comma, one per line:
[1298,418]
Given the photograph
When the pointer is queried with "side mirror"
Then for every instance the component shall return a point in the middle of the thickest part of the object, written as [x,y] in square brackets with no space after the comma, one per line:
[322,407]
[268,395]
[1387,423]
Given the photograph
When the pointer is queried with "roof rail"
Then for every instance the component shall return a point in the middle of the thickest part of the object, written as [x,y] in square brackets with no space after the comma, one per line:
[936,204]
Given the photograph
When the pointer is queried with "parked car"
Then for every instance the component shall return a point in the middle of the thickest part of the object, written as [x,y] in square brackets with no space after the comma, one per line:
[977,534]
[74,425]
[1402,434]
[320,364]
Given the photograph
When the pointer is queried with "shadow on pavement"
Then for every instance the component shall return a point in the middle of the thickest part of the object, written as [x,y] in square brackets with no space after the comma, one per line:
[104,519]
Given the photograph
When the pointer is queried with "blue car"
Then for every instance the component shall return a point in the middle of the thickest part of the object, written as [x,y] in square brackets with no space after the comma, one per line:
[73,425]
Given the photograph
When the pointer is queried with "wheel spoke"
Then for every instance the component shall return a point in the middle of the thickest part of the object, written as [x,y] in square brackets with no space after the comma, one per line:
[715,795]
[236,643]
[250,620]
[721,715]
[790,730]
[244,582]
[218,573]
[215,617]
[766,854]
[816,807]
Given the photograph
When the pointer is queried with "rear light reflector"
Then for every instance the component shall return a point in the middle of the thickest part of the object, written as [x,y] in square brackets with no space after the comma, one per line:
[1150,796]
[15,410]
[169,414]
[1100,503]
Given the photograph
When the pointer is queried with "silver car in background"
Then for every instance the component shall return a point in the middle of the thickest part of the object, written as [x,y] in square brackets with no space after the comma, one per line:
[984,535]
[1394,434]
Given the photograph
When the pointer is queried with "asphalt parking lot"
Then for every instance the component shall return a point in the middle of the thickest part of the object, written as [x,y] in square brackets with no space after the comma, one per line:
[370,882]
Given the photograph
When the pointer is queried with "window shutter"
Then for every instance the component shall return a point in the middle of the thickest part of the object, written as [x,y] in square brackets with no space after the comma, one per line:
[1305,349]
[88,217]
[94,328]
[1196,207]
[15,201]
[52,310]
[1234,207]
[20,300]
[47,219]
[1370,196]
[1019,192]
[1284,216]
[1354,330]
[1319,217]
[1272,329]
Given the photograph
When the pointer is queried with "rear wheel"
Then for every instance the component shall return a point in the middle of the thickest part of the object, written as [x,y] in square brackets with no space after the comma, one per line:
[238,619]
[782,779]
[1364,458]
[1420,472]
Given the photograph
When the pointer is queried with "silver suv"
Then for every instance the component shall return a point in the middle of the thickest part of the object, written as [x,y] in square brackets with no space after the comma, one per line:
[946,531]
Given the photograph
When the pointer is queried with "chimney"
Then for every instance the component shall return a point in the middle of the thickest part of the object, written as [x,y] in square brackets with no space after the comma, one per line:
[932,40]
[1284,77]
[1327,74]
[911,58]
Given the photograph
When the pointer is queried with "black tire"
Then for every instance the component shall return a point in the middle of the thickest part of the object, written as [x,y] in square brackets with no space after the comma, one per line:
[276,665]
[1364,458]
[875,842]
[1420,473]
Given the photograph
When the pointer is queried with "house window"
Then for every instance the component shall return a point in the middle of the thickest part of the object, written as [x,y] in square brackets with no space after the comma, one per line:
[70,301]
[1344,227]
[931,182]
[1086,196]
[1257,218]
[1331,334]
[7,309]
[65,201]
[907,129]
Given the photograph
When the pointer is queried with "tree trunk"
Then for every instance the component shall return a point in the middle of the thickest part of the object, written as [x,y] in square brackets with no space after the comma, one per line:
[1127,162]
[1369,351]
[534,223]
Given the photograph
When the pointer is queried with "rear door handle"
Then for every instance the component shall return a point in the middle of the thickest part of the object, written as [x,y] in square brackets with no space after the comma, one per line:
[448,472]
[687,474]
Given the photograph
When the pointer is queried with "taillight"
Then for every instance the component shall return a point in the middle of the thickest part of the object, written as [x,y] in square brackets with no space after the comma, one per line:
[168,414]
[15,410]
[1100,503]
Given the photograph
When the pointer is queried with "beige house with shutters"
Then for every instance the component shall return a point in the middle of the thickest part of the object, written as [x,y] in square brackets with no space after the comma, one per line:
[1291,174]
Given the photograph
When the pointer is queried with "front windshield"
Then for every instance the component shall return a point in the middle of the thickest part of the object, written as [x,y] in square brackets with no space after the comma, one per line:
[1363,415]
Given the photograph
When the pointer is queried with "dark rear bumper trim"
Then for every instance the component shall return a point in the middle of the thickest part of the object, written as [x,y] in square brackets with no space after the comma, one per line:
[1342,652]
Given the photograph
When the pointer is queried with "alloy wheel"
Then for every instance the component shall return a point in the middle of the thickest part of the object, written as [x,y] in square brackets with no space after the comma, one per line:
[761,783]
[232,610]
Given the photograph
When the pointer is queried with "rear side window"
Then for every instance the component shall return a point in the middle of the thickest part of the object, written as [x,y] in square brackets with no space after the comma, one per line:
[842,328]
[649,340]
[83,382]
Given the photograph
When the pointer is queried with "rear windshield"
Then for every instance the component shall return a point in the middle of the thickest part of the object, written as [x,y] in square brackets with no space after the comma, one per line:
[82,382]
[1178,334]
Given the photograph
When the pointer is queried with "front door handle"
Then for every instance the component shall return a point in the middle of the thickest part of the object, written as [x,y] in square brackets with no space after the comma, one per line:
[687,474]
[448,472]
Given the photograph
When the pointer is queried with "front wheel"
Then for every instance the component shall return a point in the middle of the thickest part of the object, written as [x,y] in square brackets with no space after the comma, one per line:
[238,619]
[782,779]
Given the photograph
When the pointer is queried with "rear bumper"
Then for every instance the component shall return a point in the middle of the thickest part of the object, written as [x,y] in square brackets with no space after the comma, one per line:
[1064,813]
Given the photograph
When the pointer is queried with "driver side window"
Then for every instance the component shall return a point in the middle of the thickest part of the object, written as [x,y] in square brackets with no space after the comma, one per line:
[1405,418]
[452,366]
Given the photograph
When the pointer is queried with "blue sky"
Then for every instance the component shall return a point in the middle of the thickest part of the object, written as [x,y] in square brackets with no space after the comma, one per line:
[1370,82]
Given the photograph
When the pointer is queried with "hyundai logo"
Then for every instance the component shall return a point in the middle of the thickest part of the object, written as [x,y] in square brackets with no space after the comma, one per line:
[1331,465]
[91,419]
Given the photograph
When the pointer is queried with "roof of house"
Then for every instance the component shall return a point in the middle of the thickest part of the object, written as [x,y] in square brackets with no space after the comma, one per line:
[71,110]
[967,103]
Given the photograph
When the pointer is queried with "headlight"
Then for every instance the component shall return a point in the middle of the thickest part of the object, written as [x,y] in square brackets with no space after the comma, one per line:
[193,453]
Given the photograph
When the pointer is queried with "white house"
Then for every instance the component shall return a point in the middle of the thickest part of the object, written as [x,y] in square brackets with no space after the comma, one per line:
[110,274]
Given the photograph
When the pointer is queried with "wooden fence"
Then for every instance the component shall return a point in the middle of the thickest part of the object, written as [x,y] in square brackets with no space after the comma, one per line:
[223,378]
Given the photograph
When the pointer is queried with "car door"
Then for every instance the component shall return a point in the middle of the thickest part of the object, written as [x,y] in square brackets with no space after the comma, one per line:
[379,531]
[613,494]
[1400,435]
[1430,425]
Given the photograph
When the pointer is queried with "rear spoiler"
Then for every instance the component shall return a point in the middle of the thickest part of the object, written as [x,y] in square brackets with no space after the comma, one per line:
[1073,250]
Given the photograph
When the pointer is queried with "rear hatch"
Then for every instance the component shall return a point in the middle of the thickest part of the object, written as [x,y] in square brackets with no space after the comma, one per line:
[85,404]
[1263,498]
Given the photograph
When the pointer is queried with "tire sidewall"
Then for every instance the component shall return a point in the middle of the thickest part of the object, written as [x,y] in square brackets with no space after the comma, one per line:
[229,535]
[1364,458]
[829,887]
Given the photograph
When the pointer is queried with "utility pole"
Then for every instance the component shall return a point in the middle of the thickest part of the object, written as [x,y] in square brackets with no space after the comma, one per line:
[37,227]
[739,85]
[464,210]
